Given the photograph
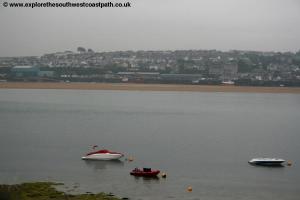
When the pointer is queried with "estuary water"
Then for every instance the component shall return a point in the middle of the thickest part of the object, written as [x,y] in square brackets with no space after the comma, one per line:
[202,140]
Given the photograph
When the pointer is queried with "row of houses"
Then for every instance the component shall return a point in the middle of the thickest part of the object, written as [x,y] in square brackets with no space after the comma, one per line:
[34,73]
[30,72]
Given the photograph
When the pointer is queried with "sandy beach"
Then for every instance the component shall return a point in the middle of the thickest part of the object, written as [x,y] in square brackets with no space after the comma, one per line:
[147,87]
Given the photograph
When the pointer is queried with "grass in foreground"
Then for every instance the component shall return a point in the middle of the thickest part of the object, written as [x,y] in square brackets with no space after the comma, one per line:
[44,191]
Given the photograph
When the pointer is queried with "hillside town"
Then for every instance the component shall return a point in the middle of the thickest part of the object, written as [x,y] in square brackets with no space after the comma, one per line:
[182,67]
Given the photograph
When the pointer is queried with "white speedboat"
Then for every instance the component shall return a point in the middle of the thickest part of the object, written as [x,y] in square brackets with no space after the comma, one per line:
[267,161]
[103,154]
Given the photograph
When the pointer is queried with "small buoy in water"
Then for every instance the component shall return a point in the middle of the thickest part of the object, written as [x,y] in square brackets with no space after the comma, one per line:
[130,159]
[164,175]
[289,163]
[189,189]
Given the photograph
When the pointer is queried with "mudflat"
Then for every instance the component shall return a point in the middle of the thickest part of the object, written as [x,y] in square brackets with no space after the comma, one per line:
[147,87]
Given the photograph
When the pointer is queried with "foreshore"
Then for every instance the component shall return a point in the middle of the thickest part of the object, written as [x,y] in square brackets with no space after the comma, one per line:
[46,191]
[147,87]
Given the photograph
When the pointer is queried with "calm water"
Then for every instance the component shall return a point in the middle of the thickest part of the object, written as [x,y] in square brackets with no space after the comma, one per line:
[203,140]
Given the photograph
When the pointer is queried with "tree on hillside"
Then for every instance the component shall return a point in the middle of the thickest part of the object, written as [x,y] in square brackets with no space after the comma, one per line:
[244,66]
[81,50]
[90,51]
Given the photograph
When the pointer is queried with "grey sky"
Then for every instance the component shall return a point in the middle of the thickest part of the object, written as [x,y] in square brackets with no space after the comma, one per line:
[264,25]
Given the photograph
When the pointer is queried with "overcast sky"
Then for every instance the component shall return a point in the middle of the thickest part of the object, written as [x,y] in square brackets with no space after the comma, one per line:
[264,25]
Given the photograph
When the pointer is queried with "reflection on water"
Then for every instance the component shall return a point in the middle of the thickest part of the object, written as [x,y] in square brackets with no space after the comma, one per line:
[103,164]
[267,166]
[146,180]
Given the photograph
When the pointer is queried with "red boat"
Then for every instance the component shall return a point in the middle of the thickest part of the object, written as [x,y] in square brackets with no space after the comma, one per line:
[146,172]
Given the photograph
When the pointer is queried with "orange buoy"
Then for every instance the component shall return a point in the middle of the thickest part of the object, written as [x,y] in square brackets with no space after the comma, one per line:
[189,189]
[289,163]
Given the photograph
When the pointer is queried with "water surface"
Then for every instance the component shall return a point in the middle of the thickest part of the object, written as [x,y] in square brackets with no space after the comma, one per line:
[203,140]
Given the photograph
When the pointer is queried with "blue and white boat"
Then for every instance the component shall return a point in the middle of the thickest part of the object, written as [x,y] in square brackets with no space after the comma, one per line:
[267,161]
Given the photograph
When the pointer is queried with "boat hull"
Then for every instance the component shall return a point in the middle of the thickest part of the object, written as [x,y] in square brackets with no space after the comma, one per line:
[105,156]
[145,174]
[266,163]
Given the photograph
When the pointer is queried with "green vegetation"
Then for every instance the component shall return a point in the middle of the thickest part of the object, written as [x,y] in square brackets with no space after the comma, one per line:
[44,191]
[244,65]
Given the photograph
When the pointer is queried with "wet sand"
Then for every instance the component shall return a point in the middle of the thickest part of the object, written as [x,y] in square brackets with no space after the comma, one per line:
[148,87]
